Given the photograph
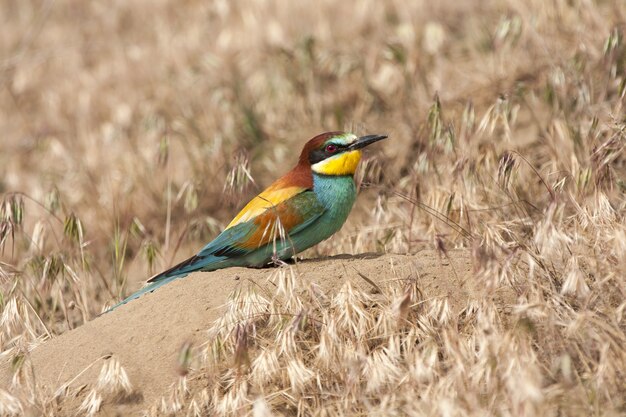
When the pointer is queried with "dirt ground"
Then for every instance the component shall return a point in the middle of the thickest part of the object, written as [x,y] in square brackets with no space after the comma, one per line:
[146,334]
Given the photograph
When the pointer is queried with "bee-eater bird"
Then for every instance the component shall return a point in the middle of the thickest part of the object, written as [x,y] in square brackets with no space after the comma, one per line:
[303,207]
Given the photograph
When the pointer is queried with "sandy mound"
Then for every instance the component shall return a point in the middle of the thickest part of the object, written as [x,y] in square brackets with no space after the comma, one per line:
[147,334]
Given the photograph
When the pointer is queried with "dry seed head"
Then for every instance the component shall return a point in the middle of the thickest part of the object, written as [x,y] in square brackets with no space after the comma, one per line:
[439,310]
[7,229]
[194,409]
[286,282]
[401,306]
[617,242]
[424,364]
[349,306]
[185,356]
[9,405]
[113,379]
[506,164]
[434,37]
[502,115]
[574,283]
[370,172]
[300,377]
[23,380]
[239,176]
[10,316]
[215,350]
[204,399]
[12,209]
[151,253]
[260,408]
[73,229]
[17,323]
[234,400]
[549,235]
[244,307]
[265,366]
[38,237]
[381,370]
[178,396]
[92,403]
[286,342]
[190,193]
[523,380]
[4,274]
[171,406]
[328,343]
[241,357]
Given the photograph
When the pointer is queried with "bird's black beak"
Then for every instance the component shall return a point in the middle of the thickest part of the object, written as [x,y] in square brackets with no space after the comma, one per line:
[363,141]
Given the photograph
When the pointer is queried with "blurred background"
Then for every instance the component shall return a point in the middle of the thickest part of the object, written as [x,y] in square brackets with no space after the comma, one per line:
[131,132]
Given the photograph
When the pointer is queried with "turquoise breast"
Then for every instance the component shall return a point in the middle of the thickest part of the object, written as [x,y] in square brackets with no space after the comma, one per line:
[337,194]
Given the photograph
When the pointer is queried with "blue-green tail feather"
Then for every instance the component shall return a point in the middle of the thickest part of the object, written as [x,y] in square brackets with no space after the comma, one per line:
[148,288]
[181,270]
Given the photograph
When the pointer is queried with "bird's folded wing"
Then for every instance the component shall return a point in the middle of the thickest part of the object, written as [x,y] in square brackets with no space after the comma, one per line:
[266,221]
[271,197]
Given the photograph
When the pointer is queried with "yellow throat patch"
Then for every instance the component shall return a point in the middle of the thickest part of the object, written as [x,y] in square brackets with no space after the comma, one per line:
[343,164]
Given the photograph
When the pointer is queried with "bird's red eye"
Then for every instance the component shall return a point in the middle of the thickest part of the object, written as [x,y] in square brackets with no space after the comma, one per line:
[331,148]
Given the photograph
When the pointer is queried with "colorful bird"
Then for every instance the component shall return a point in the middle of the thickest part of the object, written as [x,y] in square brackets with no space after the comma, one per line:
[305,206]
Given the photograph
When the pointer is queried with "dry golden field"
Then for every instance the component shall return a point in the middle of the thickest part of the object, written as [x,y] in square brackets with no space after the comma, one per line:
[132,132]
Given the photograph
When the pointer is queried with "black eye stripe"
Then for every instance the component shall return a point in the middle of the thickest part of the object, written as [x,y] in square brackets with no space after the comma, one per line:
[318,155]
